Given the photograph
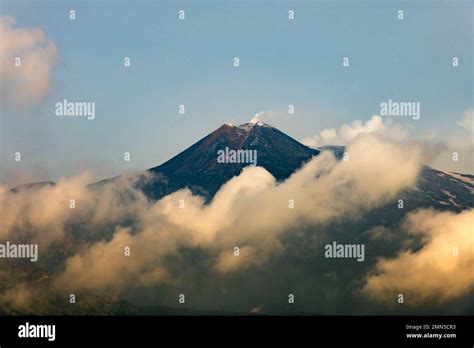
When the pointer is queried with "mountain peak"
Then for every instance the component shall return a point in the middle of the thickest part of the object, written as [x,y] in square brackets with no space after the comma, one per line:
[198,169]
[246,126]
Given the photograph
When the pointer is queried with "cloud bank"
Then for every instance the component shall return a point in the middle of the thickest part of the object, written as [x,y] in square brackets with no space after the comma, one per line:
[251,211]
[441,270]
[438,153]
[347,132]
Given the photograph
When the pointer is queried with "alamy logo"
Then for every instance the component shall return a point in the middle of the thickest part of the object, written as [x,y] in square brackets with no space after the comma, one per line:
[407,109]
[76,109]
[345,251]
[237,156]
[22,251]
[37,331]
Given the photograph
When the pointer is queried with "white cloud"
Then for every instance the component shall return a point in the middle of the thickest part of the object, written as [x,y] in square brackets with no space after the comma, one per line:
[348,132]
[435,272]
[29,82]
[467,121]
[461,142]
[438,150]
[262,116]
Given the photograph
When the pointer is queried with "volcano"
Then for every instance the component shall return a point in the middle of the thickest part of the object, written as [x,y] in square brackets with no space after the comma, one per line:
[197,167]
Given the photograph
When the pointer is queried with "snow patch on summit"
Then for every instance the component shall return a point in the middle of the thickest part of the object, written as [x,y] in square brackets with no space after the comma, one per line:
[249,125]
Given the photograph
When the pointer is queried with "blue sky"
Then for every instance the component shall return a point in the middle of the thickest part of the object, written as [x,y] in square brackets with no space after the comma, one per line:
[190,62]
